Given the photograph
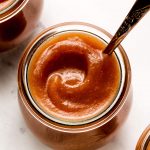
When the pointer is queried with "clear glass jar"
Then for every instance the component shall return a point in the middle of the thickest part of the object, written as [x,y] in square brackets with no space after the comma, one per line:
[144,140]
[92,134]
[17,22]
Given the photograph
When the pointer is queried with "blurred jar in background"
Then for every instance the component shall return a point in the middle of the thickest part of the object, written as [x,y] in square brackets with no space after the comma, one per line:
[18,19]
[144,140]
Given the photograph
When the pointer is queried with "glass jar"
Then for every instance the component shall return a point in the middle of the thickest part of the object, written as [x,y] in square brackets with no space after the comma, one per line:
[144,140]
[18,19]
[89,135]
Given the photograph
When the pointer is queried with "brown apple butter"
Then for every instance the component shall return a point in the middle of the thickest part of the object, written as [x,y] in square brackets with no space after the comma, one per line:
[148,147]
[71,79]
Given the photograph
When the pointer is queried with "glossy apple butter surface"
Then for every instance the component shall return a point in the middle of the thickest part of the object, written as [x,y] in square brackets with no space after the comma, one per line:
[71,79]
[148,147]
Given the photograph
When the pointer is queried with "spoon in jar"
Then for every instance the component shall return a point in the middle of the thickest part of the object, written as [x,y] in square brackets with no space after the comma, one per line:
[137,12]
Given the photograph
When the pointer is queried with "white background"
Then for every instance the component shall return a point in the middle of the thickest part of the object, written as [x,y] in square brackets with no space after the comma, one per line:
[107,14]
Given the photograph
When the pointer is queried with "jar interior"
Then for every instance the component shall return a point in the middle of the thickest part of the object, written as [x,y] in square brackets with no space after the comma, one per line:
[47,36]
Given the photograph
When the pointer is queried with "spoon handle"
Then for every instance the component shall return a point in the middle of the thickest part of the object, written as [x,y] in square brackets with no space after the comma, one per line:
[139,9]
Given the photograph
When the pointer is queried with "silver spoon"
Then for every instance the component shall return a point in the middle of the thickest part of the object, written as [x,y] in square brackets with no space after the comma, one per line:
[137,12]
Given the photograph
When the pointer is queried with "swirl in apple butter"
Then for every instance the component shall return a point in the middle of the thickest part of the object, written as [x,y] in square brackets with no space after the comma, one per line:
[71,79]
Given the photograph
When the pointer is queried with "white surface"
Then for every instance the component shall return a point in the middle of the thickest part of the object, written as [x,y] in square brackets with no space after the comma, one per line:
[107,14]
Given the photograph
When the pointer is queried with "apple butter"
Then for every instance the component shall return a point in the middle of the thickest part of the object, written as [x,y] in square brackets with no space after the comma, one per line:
[148,147]
[71,79]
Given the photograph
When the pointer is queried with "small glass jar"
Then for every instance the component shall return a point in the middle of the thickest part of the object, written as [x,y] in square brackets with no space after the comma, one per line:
[144,140]
[87,136]
[18,19]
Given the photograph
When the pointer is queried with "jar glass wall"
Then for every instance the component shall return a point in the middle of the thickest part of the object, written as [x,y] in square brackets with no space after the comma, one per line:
[89,135]
[144,140]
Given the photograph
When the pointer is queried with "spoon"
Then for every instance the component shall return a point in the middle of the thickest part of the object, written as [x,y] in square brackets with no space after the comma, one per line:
[137,12]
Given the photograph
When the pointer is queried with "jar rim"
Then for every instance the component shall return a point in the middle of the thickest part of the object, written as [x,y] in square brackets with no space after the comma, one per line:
[86,28]
[144,140]
[12,10]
